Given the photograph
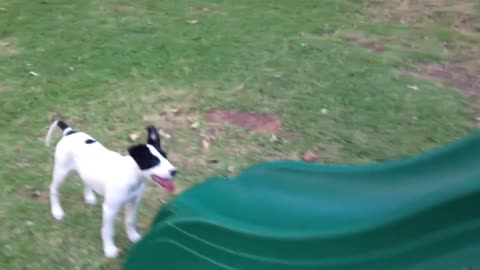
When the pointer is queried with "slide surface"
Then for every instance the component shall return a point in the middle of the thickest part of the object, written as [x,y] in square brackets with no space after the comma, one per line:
[416,213]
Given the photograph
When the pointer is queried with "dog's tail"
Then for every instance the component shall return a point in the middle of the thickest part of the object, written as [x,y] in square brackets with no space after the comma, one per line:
[62,125]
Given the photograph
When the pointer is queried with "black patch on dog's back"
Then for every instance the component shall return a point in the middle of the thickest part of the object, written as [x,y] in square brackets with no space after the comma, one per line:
[90,141]
[62,125]
[143,157]
[70,132]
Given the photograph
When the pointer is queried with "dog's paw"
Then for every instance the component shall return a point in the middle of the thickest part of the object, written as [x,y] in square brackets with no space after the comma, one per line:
[111,252]
[58,214]
[134,236]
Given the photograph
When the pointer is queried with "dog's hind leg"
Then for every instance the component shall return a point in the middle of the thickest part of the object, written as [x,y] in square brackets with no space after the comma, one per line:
[89,195]
[59,175]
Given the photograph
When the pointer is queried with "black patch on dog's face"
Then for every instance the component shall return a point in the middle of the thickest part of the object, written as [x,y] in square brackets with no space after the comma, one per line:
[154,140]
[143,157]
[90,141]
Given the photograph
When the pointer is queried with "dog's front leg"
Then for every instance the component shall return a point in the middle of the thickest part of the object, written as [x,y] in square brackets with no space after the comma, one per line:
[110,210]
[131,219]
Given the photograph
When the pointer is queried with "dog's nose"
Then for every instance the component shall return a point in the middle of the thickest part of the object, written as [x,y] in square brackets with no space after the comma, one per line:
[173,172]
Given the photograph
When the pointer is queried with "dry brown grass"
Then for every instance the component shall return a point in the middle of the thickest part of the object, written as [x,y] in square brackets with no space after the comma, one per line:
[373,45]
[8,46]
[451,75]
[461,16]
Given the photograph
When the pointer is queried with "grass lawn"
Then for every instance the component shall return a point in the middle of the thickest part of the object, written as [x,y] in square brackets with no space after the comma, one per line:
[352,81]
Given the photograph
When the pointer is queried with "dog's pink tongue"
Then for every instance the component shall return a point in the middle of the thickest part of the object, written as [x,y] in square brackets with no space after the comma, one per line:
[169,186]
[165,183]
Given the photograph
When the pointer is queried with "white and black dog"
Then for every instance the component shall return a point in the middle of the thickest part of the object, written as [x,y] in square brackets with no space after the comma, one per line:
[120,179]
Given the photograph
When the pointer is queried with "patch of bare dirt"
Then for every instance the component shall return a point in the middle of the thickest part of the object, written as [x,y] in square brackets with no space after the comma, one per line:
[3,88]
[468,57]
[259,122]
[459,14]
[373,46]
[450,75]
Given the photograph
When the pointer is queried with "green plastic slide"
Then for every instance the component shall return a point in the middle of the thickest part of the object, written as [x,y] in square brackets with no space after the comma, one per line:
[416,213]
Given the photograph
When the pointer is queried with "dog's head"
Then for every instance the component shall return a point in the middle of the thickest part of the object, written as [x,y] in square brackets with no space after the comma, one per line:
[152,161]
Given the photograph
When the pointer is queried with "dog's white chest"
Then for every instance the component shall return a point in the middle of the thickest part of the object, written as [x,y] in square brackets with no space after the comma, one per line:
[135,190]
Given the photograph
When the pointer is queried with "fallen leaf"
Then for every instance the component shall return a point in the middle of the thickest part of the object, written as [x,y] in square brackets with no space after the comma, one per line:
[413,87]
[231,169]
[324,111]
[175,110]
[36,194]
[206,143]
[309,156]
[273,138]
[192,119]
[71,68]
[134,136]
[195,125]
[33,73]
[164,134]
[239,87]
[192,21]
[29,223]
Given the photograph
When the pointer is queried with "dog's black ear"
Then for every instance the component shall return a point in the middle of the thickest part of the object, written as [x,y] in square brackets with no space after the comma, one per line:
[154,139]
[143,157]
